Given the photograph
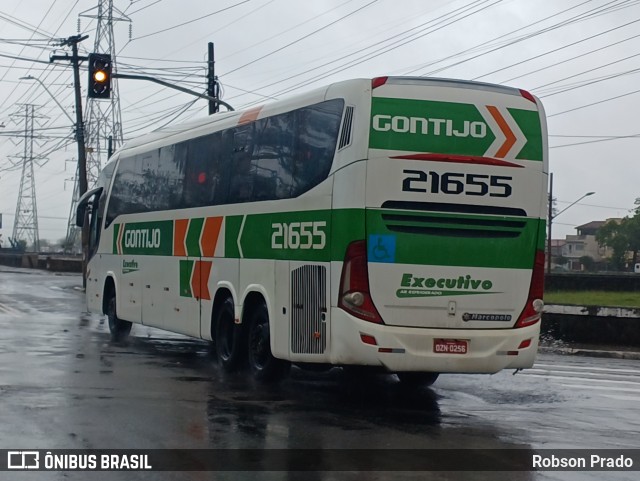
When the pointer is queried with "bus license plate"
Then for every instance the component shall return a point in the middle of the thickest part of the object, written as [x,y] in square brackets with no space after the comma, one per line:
[450,346]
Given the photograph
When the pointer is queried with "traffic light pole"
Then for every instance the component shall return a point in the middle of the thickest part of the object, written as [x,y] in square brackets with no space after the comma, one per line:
[212,82]
[172,86]
[75,60]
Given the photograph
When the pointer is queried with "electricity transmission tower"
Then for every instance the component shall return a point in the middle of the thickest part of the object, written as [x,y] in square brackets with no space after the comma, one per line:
[25,225]
[103,121]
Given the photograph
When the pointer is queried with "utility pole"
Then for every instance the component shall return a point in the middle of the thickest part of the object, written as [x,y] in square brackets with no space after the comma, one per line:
[75,60]
[549,220]
[213,89]
[103,117]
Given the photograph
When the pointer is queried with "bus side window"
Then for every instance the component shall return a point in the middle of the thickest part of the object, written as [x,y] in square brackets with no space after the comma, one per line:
[241,169]
[273,158]
[317,134]
[171,173]
[201,175]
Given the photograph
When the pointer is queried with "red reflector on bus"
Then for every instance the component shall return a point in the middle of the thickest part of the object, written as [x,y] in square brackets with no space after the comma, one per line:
[527,96]
[524,344]
[378,82]
[367,339]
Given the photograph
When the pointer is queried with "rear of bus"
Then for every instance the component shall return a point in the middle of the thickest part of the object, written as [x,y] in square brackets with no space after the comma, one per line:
[456,191]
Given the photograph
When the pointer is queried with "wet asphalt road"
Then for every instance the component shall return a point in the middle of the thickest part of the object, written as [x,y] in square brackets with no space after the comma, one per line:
[63,384]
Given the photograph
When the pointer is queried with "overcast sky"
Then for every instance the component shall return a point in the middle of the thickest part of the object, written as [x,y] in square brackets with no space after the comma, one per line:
[580,57]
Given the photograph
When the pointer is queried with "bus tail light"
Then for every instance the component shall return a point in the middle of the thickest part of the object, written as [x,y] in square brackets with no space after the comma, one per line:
[354,296]
[532,311]
[378,82]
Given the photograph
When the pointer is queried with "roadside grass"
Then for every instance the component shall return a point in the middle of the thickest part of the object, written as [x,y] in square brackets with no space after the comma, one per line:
[593,298]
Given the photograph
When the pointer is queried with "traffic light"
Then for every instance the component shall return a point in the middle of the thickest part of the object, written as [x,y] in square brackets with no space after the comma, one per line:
[99,75]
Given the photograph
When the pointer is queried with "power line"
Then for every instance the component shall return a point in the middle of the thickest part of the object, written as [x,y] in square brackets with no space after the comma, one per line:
[376,46]
[379,52]
[141,9]
[324,27]
[191,21]
[488,44]
[282,32]
[562,48]
[594,103]
[634,136]
[589,71]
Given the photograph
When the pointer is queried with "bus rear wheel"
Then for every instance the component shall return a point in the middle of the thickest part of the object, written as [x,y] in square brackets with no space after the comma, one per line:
[264,366]
[417,379]
[118,328]
[228,338]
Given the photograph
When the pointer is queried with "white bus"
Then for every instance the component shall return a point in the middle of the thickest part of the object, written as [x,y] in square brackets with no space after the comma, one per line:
[395,223]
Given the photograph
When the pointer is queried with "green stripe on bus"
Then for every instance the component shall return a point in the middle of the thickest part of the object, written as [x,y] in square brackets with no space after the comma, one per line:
[454,242]
[529,123]
[232,225]
[193,237]
[263,235]
[154,238]
[116,231]
[186,270]
[348,226]
[542,235]
[302,236]
[323,236]
[428,126]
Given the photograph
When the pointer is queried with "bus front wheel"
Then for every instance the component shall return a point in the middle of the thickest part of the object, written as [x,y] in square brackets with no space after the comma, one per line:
[264,366]
[119,328]
[229,347]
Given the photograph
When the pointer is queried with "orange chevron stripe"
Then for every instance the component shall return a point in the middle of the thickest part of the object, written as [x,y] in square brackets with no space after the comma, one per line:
[200,280]
[210,234]
[250,115]
[179,233]
[506,130]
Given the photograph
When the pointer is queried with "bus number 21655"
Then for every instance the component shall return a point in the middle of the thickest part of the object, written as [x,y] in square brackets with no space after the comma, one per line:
[456,183]
[298,235]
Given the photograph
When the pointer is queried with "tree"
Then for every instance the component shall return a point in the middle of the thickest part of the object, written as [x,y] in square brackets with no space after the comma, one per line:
[621,237]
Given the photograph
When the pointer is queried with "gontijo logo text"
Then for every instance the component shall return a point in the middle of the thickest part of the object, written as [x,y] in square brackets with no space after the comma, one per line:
[415,286]
[420,125]
[439,127]
[142,238]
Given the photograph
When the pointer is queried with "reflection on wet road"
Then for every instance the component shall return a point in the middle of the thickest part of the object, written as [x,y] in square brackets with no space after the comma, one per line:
[63,384]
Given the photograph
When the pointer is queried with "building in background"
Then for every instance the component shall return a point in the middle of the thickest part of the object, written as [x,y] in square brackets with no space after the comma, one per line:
[581,252]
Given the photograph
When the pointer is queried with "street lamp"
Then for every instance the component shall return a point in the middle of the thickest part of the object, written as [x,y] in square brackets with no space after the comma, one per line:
[29,77]
[552,217]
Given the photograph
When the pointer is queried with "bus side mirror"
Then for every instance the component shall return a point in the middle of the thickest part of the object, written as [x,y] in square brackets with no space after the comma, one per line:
[83,202]
[80,213]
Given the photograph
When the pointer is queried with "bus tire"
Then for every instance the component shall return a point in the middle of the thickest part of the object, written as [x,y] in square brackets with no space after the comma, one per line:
[417,379]
[228,339]
[118,328]
[264,366]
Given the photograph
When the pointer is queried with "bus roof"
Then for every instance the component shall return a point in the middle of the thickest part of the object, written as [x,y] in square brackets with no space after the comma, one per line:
[229,119]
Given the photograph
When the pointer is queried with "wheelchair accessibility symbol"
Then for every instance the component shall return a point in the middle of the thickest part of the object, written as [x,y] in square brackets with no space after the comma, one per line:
[382,248]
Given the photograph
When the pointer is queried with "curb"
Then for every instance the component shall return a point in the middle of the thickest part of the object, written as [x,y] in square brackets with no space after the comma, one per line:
[629,355]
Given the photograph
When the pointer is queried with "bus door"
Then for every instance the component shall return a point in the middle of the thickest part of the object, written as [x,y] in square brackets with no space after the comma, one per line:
[89,211]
